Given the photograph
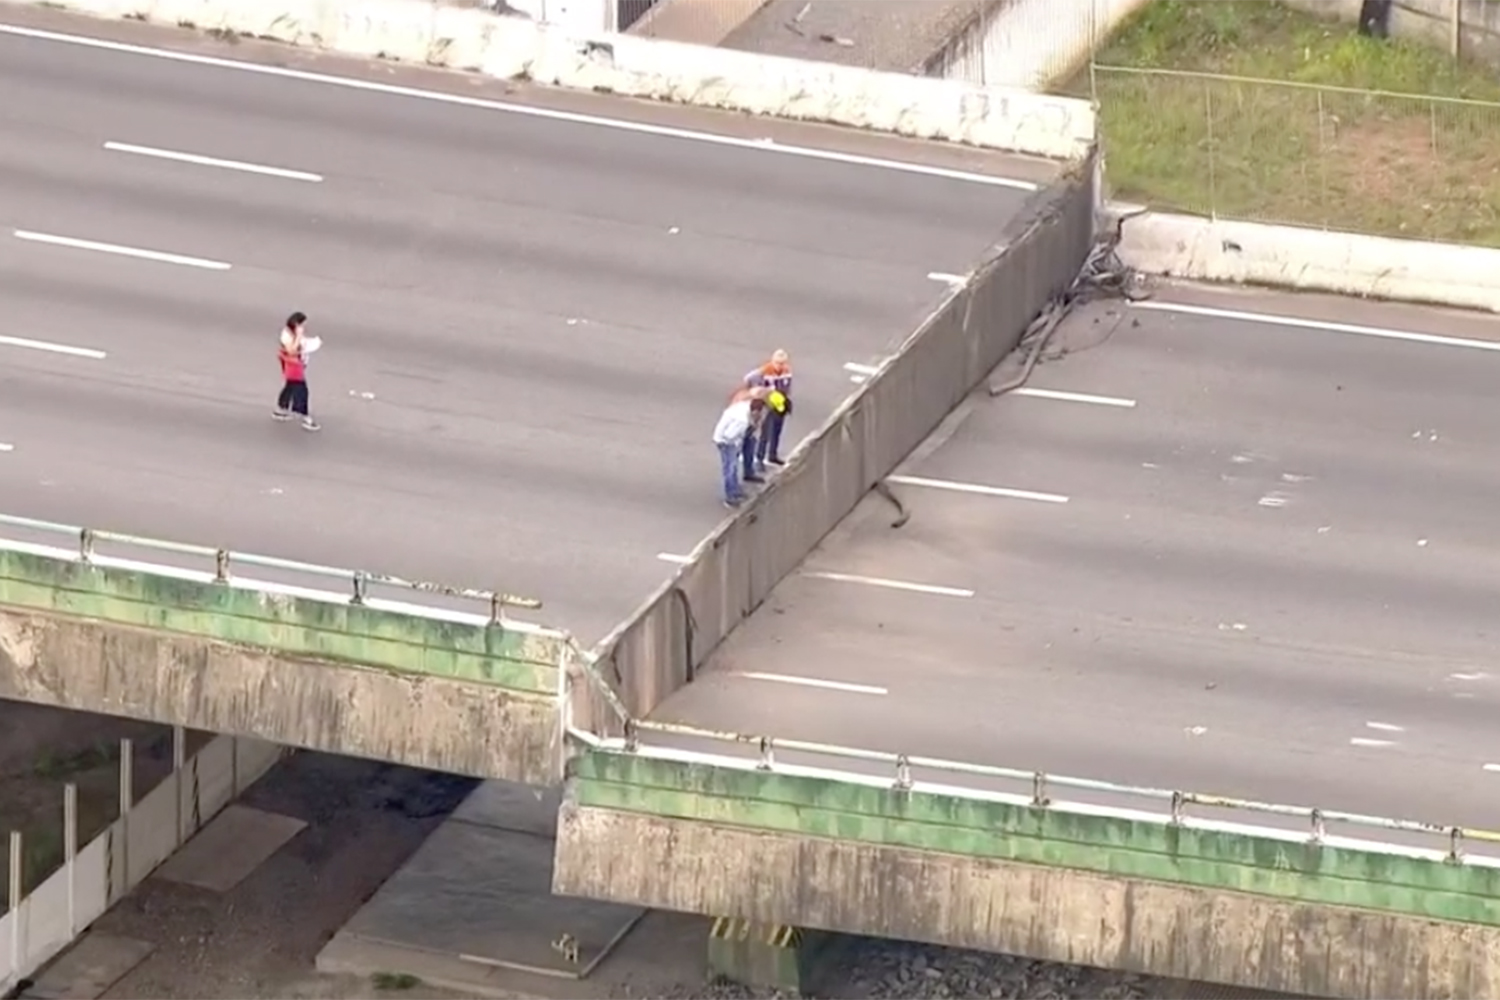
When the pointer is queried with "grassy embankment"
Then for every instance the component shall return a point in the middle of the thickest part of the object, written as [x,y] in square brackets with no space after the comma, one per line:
[1377,163]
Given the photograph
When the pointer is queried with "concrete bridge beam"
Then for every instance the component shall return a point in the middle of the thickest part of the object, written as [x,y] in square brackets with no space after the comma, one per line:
[439,690]
[1189,899]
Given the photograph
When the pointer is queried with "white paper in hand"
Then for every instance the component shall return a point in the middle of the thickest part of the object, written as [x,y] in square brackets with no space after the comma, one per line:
[311,344]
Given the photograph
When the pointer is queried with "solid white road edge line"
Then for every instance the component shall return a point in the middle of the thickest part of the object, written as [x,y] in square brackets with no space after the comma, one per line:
[878,581]
[993,491]
[1072,397]
[123,251]
[50,348]
[213,161]
[813,682]
[664,131]
[1379,332]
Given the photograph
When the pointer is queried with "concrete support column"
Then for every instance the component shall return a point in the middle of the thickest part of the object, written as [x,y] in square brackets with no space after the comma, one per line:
[773,956]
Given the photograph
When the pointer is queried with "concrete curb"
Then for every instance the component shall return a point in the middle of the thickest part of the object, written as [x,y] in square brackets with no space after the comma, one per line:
[1252,253]
[516,48]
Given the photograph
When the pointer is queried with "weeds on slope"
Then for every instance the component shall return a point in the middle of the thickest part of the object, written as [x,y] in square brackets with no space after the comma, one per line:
[1252,110]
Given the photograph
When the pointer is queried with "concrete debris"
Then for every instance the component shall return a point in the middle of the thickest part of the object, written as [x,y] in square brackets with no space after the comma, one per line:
[908,971]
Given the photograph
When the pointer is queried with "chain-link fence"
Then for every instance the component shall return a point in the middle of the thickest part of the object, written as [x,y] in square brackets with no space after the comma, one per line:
[1326,157]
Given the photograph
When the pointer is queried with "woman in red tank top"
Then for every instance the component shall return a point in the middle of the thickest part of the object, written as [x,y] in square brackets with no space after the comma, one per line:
[293,397]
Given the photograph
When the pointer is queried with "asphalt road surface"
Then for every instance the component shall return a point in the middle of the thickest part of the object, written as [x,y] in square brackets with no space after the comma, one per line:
[531,318]
[1265,562]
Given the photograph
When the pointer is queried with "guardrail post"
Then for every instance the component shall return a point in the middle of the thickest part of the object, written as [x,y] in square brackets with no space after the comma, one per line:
[85,544]
[361,587]
[903,774]
[221,566]
[127,804]
[17,893]
[1179,803]
[179,763]
[1039,797]
[70,853]
[767,755]
[1318,828]
[1456,845]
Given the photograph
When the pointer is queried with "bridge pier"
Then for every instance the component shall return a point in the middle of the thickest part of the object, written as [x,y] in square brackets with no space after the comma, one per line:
[770,956]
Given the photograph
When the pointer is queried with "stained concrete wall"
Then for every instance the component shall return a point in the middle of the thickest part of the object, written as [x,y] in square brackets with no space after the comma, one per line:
[1030,44]
[1269,912]
[467,698]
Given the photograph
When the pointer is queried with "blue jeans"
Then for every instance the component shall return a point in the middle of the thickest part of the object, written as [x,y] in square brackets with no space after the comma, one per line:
[729,472]
[768,443]
[747,453]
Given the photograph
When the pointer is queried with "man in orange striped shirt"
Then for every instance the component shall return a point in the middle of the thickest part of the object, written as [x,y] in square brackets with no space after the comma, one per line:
[776,375]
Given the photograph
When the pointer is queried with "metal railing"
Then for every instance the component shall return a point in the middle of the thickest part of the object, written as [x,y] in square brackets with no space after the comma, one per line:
[85,541]
[1403,165]
[1042,785]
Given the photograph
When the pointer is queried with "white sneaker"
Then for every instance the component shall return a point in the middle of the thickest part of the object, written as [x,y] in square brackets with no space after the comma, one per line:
[281,414]
[309,424]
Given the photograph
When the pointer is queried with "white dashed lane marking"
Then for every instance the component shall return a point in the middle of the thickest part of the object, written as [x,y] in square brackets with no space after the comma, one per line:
[813,682]
[213,161]
[871,581]
[43,345]
[977,488]
[880,581]
[1073,397]
[159,256]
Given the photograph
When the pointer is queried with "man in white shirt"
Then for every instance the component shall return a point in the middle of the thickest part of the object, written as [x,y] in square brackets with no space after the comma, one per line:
[729,437]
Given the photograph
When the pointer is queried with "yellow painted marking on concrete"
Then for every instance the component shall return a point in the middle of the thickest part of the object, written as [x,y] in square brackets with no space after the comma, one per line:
[775,935]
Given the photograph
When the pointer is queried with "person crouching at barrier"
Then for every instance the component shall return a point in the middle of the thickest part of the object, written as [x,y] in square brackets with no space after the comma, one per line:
[747,393]
[774,374]
[737,426]
[731,433]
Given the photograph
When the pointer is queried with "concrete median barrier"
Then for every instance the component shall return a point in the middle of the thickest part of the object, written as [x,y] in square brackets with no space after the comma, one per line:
[1038,256]
[515,48]
[1252,253]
